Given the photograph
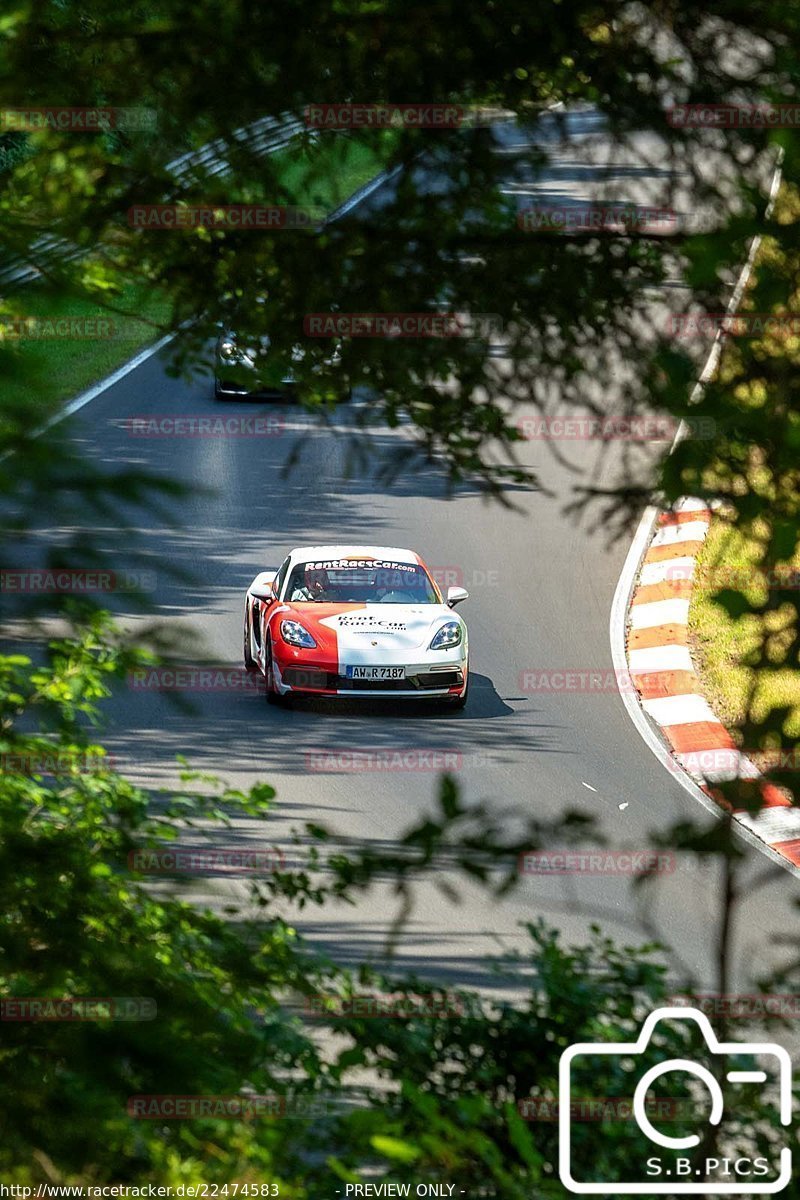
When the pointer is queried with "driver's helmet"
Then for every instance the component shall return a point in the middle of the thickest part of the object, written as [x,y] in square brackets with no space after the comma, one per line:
[316,581]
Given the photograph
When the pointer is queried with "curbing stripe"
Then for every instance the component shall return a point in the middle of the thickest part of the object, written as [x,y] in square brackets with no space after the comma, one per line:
[671,535]
[661,554]
[666,683]
[657,636]
[719,766]
[689,504]
[672,570]
[683,516]
[659,612]
[702,735]
[679,710]
[671,692]
[661,658]
[773,825]
[667,589]
[790,851]
[774,796]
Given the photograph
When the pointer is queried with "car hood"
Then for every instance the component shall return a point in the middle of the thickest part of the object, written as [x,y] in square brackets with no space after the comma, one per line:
[397,626]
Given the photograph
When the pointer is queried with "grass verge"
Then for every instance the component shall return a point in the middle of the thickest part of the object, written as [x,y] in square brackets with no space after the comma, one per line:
[325,172]
[725,642]
[46,371]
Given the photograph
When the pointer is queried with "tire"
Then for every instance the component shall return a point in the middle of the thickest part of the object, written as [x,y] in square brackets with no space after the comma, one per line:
[250,663]
[272,696]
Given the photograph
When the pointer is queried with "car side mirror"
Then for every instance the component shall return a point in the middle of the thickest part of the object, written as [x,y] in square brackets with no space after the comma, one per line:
[455,595]
[263,586]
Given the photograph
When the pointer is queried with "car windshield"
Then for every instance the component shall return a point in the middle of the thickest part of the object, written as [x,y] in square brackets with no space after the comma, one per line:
[360,581]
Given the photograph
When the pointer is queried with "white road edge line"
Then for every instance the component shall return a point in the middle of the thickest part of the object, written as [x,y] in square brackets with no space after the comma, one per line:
[363,193]
[624,590]
[358,196]
[98,388]
[133,363]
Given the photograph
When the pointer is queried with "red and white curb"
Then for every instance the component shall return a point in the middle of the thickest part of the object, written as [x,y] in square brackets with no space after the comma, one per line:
[670,691]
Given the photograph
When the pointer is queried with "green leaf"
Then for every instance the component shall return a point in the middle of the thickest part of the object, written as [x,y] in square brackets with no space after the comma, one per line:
[395,1149]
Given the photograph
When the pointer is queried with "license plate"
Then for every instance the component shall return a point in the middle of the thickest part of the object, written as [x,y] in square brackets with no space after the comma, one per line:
[375,672]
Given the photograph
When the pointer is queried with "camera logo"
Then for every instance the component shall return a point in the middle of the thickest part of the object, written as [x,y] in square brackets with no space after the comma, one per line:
[676,1170]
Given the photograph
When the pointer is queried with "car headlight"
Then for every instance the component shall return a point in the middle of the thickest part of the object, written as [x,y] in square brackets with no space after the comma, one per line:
[449,635]
[227,349]
[294,633]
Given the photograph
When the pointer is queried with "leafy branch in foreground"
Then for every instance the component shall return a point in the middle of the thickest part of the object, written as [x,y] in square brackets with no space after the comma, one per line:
[194,1003]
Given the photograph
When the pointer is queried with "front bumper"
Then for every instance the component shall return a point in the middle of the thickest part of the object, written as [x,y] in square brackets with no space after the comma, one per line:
[423,680]
[226,386]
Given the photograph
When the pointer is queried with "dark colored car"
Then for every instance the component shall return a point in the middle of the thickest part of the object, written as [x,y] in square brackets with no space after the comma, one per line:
[258,370]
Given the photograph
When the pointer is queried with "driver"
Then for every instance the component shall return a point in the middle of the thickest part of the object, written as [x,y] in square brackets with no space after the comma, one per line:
[315,586]
[395,587]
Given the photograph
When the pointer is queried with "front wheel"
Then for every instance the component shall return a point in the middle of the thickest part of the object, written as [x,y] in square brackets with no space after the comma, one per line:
[250,663]
[271,692]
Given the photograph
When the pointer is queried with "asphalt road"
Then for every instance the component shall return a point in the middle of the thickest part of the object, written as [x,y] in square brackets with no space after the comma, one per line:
[541,587]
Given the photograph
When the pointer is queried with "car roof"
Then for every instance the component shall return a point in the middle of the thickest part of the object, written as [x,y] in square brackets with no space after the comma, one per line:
[392,553]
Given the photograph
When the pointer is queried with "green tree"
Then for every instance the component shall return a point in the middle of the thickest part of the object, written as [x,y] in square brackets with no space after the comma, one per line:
[75,920]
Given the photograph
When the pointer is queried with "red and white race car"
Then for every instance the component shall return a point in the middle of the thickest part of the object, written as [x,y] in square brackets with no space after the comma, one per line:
[356,621]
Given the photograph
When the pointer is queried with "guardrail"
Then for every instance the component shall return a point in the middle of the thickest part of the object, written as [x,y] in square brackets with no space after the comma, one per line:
[261,137]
